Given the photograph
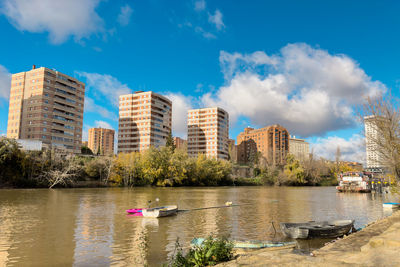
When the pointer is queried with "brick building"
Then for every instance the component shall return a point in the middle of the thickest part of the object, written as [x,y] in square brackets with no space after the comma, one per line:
[144,121]
[271,141]
[101,141]
[47,105]
[208,132]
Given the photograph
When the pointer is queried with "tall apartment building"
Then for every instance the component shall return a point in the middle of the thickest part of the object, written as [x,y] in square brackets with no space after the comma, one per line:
[374,158]
[299,148]
[271,141]
[208,132]
[101,141]
[47,105]
[144,120]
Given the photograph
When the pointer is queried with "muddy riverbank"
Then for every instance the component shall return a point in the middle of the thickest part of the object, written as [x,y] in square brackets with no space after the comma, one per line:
[378,244]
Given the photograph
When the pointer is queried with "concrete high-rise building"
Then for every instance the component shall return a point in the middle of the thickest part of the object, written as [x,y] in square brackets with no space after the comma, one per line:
[144,120]
[374,158]
[271,141]
[101,141]
[47,105]
[299,148]
[208,132]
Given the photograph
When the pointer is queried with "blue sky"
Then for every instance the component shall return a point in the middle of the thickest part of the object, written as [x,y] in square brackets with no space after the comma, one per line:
[302,64]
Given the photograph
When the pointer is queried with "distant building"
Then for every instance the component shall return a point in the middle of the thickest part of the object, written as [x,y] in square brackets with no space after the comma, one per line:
[144,120]
[352,164]
[101,141]
[47,105]
[232,150]
[299,148]
[85,143]
[208,132]
[374,158]
[272,142]
[180,143]
[30,145]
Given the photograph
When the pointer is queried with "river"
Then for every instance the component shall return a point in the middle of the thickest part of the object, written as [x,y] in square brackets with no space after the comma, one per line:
[89,227]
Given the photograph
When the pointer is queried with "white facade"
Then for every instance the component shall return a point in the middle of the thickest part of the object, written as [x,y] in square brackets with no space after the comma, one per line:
[30,145]
[208,132]
[371,135]
[299,148]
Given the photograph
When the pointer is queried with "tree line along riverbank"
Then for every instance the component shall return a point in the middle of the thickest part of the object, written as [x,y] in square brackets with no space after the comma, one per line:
[166,166]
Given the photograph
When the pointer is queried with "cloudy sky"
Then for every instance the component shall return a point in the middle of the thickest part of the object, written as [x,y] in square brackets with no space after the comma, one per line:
[302,64]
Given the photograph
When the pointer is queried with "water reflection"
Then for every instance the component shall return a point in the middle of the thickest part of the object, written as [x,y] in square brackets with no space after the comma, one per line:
[84,227]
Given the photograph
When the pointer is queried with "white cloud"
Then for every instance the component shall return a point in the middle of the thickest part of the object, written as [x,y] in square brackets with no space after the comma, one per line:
[61,19]
[91,106]
[216,19]
[205,34]
[352,149]
[232,63]
[200,5]
[307,90]
[106,86]
[203,22]
[103,124]
[180,105]
[5,82]
[124,16]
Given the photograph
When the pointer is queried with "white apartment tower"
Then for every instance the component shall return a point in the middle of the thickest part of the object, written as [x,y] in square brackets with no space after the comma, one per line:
[371,135]
[144,121]
[208,132]
[299,148]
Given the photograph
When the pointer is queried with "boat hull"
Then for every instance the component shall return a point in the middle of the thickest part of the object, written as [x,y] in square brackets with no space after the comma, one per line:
[391,205]
[326,229]
[160,211]
[239,244]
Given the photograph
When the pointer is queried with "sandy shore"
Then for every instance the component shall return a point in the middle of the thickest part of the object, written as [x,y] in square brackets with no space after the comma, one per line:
[378,244]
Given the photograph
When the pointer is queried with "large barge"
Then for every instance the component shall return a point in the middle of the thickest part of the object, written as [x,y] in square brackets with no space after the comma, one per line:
[354,182]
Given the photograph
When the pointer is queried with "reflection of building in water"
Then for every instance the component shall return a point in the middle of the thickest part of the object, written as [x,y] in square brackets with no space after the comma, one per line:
[130,233]
[6,229]
[94,230]
[44,235]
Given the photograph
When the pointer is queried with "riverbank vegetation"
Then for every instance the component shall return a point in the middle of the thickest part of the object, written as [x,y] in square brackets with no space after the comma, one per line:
[156,167]
[306,172]
[211,252]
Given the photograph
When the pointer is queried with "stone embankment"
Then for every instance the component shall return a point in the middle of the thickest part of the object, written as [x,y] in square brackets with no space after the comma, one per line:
[378,244]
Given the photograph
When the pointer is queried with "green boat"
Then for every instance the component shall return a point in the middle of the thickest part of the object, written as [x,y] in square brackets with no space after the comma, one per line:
[250,244]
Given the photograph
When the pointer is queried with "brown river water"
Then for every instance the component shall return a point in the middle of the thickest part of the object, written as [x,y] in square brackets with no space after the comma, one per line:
[89,227]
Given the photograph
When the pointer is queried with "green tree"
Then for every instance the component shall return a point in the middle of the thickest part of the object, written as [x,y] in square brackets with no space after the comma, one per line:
[170,142]
[294,171]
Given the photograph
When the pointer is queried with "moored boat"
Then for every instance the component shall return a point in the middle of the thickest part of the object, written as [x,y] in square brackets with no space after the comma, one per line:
[391,205]
[160,211]
[353,182]
[325,229]
[134,211]
[251,244]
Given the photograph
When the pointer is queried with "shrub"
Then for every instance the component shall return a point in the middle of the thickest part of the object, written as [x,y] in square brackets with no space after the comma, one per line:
[211,252]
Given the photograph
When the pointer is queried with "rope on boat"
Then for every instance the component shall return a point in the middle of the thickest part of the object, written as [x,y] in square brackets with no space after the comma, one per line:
[216,207]
[227,205]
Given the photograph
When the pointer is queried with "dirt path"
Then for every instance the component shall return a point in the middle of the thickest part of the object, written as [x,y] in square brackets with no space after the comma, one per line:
[376,245]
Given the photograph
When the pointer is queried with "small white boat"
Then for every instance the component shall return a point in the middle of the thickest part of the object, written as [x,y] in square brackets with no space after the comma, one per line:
[391,205]
[160,211]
